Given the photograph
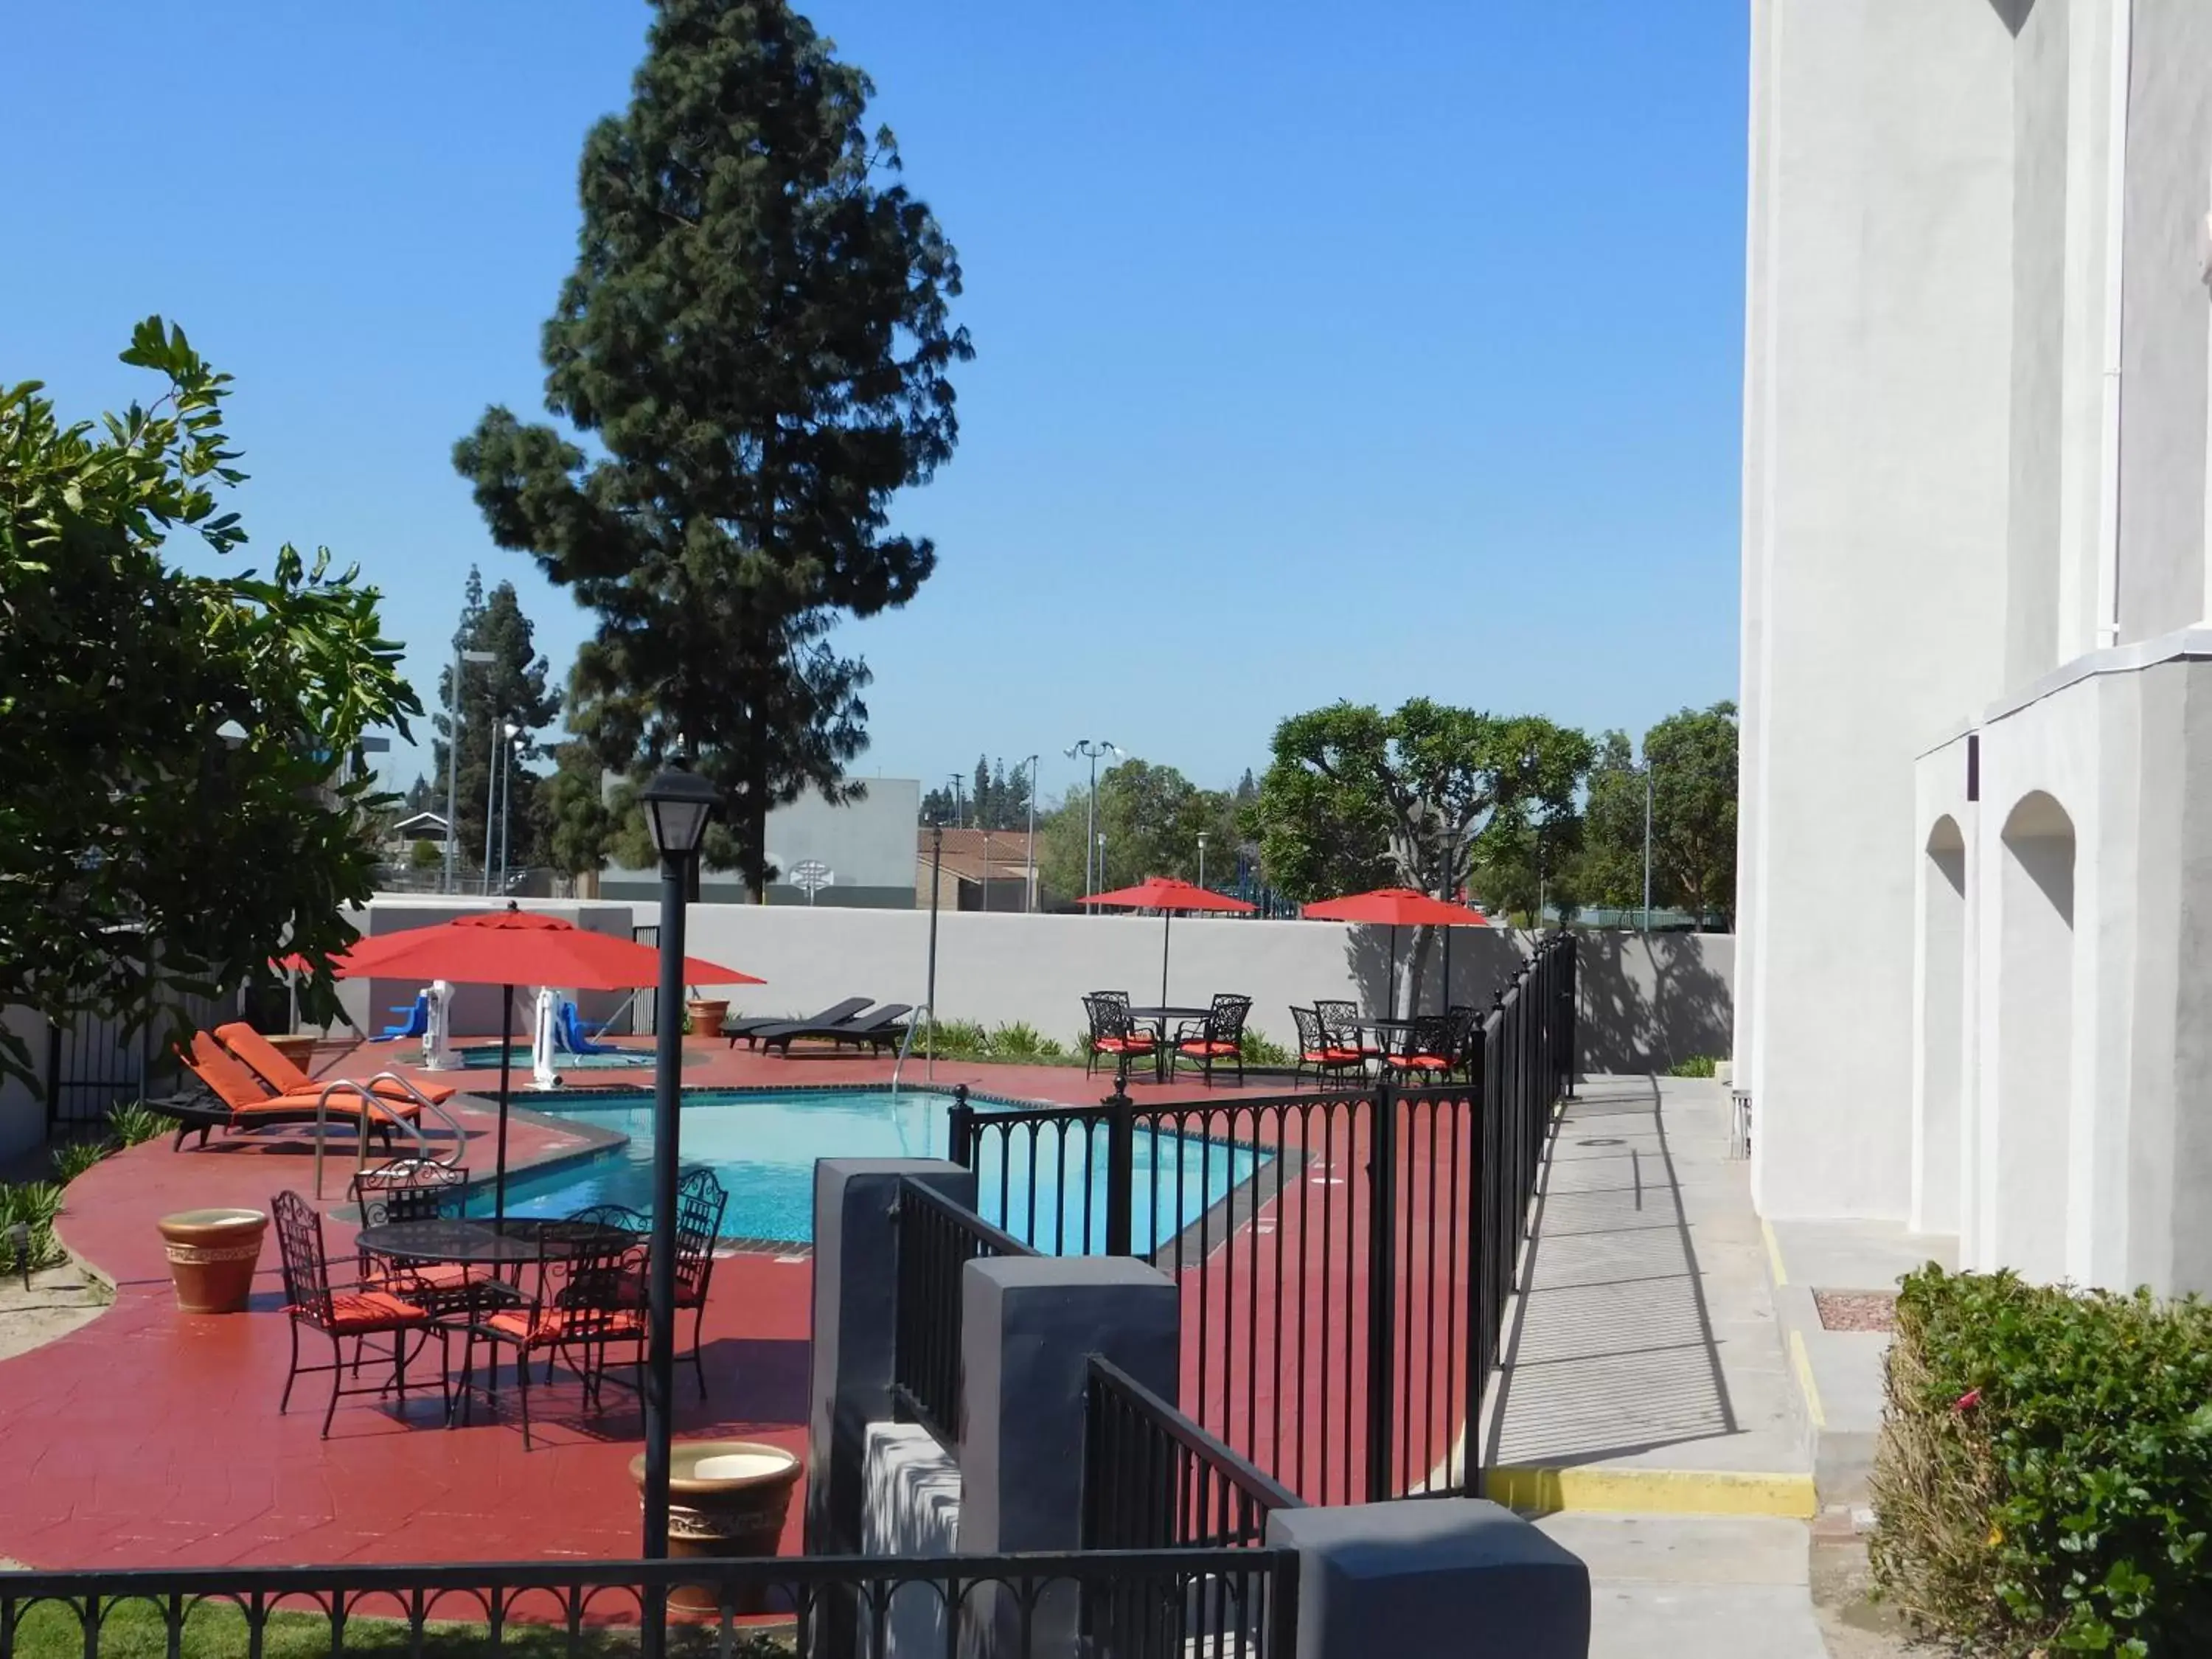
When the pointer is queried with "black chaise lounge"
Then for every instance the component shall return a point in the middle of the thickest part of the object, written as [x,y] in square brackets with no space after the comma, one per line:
[883,1029]
[836,1014]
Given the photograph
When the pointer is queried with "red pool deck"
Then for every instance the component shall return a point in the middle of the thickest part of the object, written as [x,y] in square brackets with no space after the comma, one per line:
[151,1437]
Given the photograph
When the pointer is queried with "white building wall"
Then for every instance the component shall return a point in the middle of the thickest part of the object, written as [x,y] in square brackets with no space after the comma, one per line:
[1881,547]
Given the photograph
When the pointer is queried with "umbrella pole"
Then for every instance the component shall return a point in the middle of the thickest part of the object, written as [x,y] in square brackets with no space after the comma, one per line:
[1443,1001]
[1166,922]
[505,1056]
[1390,987]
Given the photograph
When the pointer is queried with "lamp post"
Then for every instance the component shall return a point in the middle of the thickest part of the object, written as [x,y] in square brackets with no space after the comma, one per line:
[955,801]
[1201,858]
[461,660]
[1646,843]
[986,870]
[678,803]
[514,735]
[1029,902]
[1090,748]
[491,805]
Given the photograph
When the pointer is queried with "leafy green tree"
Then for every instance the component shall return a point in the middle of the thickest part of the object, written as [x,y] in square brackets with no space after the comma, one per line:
[576,824]
[1609,870]
[1354,797]
[1150,817]
[511,690]
[425,855]
[1692,756]
[181,753]
[994,800]
[756,338]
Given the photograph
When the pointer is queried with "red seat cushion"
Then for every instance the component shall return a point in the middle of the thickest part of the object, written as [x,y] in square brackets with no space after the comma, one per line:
[1203,1048]
[1424,1062]
[1122,1045]
[355,1311]
[550,1325]
[1332,1056]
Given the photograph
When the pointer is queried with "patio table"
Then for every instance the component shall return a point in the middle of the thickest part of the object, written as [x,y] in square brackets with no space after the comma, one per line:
[1162,1016]
[511,1242]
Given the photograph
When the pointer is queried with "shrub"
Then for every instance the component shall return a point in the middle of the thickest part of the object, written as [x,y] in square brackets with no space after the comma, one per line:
[1261,1049]
[1695,1065]
[33,1204]
[74,1159]
[1021,1041]
[131,1123]
[2044,1479]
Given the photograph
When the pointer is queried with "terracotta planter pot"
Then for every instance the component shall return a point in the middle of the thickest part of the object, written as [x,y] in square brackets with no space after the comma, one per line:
[725,1498]
[212,1256]
[707,1014]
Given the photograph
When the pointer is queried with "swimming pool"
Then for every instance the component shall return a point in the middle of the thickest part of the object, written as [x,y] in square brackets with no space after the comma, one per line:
[478,1057]
[764,1145]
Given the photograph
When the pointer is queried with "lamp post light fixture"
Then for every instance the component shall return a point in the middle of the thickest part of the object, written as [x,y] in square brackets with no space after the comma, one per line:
[678,803]
[491,805]
[515,737]
[1201,858]
[1094,876]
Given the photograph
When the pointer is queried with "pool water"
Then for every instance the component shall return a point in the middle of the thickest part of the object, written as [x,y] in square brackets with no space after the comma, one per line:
[764,1146]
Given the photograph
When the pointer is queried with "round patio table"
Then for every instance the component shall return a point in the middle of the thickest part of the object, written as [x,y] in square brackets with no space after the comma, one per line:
[514,1240]
[1161,1017]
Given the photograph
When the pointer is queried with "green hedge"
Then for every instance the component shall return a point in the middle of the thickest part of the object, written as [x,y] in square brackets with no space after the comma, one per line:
[2044,1482]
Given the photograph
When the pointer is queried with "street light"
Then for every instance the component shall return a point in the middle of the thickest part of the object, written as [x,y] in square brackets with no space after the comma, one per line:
[1201,858]
[1029,902]
[461,659]
[514,735]
[1647,844]
[491,805]
[676,805]
[1090,748]
[955,801]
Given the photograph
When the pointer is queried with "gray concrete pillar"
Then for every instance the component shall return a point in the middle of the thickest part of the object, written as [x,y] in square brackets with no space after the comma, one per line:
[1030,1325]
[855,1320]
[1436,1574]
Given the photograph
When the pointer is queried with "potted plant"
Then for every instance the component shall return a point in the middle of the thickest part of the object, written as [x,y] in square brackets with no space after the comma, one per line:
[725,1498]
[213,1255]
[707,1014]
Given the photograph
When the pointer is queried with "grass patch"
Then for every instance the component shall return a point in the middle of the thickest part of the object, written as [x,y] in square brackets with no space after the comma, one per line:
[1695,1065]
[134,1629]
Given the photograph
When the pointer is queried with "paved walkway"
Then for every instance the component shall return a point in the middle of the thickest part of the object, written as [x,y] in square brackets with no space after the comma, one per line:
[1643,1366]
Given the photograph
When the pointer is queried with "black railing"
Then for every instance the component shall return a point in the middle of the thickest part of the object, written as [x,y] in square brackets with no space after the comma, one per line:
[1345,1256]
[809,1607]
[1153,1480]
[936,1237]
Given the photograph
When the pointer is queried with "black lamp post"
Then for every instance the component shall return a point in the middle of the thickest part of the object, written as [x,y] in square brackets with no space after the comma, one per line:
[676,805]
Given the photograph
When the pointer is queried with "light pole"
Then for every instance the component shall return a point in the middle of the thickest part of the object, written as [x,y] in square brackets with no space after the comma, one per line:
[955,801]
[1090,748]
[1029,902]
[513,735]
[987,869]
[677,804]
[1646,843]
[491,801]
[461,659]
[1201,858]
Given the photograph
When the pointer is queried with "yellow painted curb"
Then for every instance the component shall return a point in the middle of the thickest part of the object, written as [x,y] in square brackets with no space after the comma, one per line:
[1540,1490]
[1803,1363]
[1773,1253]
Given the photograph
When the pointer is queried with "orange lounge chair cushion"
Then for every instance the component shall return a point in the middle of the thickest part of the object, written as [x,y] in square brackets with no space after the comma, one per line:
[356,1311]
[342,1109]
[287,1078]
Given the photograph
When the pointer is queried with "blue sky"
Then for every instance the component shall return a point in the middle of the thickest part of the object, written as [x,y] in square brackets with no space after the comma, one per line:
[1320,355]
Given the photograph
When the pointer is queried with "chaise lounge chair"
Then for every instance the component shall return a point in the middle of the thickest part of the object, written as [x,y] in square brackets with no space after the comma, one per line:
[837,1013]
[883,1029]
[239,1101]
[269,1063]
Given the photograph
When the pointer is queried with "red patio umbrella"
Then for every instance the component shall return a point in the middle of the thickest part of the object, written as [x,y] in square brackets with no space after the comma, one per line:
[1167,896]
[512,947]
[1394,907]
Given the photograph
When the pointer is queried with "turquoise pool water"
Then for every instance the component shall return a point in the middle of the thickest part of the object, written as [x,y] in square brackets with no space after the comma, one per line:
[764,1146]
[485,1057]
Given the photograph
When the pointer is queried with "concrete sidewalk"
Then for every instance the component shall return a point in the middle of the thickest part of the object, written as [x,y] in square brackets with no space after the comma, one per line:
[1644,1369]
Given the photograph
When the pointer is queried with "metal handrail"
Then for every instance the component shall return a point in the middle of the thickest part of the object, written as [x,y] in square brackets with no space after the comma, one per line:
[906,1045]
[365,1090]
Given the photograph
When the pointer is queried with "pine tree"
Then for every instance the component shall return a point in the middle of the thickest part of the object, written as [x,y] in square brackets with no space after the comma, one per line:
[509,690]
[756,336]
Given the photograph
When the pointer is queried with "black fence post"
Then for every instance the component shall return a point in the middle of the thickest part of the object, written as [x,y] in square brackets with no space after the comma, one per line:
[1120,1165]
[1382,1288]
[961,1129]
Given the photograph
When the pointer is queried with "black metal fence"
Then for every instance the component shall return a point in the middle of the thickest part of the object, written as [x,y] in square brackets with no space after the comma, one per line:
[1345,1257]
[97,1060]
[937,1238]
[1153,1479]
[812,1607]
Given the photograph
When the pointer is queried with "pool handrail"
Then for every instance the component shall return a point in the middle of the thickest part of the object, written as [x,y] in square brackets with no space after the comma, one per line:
[365,1089]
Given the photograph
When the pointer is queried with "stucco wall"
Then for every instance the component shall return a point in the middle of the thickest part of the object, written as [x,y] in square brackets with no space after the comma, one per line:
[2039,336]
[1883,441]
